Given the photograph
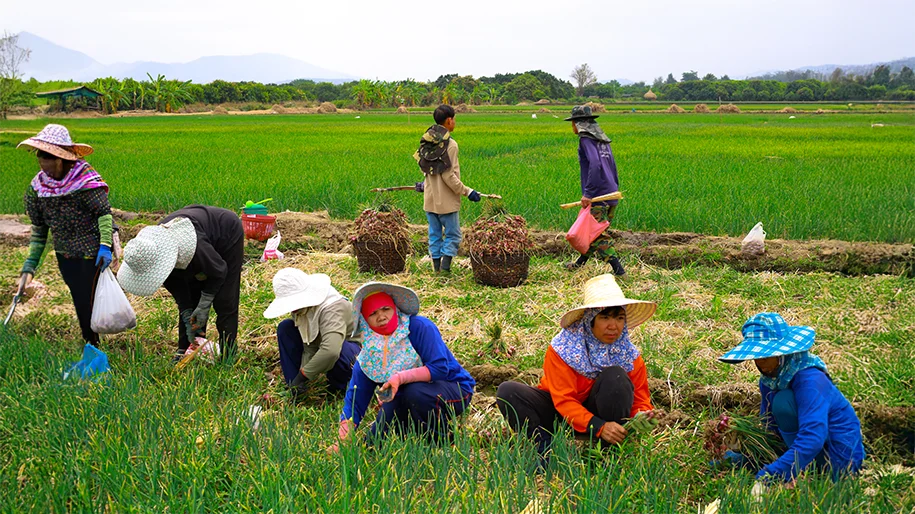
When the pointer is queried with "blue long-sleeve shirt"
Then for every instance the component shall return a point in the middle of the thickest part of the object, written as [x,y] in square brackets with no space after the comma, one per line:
[428,343]
[825,419]
[598,170]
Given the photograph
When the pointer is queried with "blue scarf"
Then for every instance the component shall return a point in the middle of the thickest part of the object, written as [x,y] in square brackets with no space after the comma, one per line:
[588,356]
[789,367]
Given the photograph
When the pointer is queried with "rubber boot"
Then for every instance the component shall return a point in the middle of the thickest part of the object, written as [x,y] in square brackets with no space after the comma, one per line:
[577,264]
[446,264]
[437,264]
[617,266]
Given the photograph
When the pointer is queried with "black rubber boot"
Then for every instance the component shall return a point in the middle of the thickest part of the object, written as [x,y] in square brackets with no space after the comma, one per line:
[617,266]
[577,264]
[446,264]
[437,265]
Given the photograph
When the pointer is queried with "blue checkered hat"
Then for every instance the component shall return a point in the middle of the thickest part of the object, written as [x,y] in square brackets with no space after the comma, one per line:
[768,335]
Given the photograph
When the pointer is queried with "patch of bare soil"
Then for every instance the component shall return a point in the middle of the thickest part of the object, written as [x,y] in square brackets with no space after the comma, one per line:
[489,376]
[13,232]
[318,231]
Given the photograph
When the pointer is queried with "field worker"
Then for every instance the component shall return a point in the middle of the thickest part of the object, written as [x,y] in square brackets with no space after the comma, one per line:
[598,177]
[594,378]
[196,253]
[69,199]
[322,336]
[421,384]
[815,420]
[442,189]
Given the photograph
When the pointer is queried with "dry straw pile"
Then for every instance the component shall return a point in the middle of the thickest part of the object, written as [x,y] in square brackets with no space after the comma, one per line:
[220,110]
[463,109]
[544,110]
[788,110]
[542,101]
[675,109]
[701,109]
[729,109]
[650,95]
[279,109]
[402,110]
[596,107]
[326,108]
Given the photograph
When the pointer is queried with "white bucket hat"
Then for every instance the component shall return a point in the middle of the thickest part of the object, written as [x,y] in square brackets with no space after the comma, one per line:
[294,289]
[150,257]
[602,292]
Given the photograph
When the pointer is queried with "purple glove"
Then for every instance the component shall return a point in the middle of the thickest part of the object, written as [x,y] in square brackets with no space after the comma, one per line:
[419,187]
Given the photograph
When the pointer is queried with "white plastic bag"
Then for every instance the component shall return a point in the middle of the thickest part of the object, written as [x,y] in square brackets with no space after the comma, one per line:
[755,242]
[271,251]
[111,312]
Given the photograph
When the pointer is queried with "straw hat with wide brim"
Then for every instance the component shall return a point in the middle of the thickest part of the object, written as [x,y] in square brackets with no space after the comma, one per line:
[150,257]
[294,289]
[55,140]
[405,299]
[602,292]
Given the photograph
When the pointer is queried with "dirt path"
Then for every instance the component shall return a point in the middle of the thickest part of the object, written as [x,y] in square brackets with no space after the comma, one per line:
[318,231]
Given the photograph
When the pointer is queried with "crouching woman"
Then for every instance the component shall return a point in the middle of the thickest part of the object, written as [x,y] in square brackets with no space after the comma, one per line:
[594,378]
[815,420]
[422,385]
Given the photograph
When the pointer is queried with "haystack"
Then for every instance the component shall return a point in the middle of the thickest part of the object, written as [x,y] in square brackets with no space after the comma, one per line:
[326,108]
[279,109]
[675,109]
[820,111]
[463,109]
[701,109]
[544,110]
[542,101]
[650,95]
[788,110]
[728,109]
[596,107]
[523,103]
[220,110]
[402,110]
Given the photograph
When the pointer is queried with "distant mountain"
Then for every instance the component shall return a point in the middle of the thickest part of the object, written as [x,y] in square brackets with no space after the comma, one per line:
[50,61]
[825,70]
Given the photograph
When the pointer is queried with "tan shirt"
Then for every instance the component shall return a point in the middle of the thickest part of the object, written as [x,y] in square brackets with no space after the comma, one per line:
[443,192]
[337,323]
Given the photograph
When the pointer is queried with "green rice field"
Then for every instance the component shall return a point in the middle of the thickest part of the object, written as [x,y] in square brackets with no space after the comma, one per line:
[817,176]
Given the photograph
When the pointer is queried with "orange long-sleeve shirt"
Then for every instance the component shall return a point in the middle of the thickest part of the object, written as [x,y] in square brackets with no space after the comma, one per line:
[569,389]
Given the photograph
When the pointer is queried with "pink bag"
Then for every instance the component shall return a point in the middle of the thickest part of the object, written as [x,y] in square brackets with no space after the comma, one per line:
[585,230]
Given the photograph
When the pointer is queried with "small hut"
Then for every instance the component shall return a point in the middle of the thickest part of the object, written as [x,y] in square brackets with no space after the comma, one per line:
[77,95]
[650,95]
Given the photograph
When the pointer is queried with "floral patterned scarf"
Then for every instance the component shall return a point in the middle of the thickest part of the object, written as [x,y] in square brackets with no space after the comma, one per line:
[81,176]
[383,356]
[582,351]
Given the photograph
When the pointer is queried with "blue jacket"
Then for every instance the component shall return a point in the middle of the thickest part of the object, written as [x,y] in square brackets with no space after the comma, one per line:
[428,343]
[598,170]
[825,419]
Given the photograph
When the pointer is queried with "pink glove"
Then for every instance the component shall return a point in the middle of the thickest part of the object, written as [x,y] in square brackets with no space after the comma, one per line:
[389,389]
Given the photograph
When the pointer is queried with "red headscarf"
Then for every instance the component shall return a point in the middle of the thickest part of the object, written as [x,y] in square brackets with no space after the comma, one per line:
[375,301]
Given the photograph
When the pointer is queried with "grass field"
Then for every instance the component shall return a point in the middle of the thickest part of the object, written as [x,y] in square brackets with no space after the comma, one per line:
[823,176]
[132,443]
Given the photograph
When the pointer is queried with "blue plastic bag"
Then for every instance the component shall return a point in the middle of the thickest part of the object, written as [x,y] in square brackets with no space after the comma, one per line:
[93,364]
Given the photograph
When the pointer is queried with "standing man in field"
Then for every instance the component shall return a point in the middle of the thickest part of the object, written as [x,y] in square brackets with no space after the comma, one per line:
[196,253]
[598,177]
[442,189]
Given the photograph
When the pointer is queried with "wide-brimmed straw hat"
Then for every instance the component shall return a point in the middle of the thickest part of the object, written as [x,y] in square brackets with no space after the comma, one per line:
[581,112]
[55,140]
[294,289]
[767,334]
[602,292]
[150,257]
[405,298]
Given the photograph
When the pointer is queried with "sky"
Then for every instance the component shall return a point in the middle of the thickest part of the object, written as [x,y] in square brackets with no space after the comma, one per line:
[400,39]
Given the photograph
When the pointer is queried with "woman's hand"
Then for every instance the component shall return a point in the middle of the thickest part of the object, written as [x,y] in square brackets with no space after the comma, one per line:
[24,280]
[585,202]
[389,389]
[612,432]
[343,432]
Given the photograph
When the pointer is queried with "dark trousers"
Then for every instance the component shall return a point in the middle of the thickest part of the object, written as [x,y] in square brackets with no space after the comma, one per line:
[225,304]
[81,275]
[421,407]
[291,347]
[531,410]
